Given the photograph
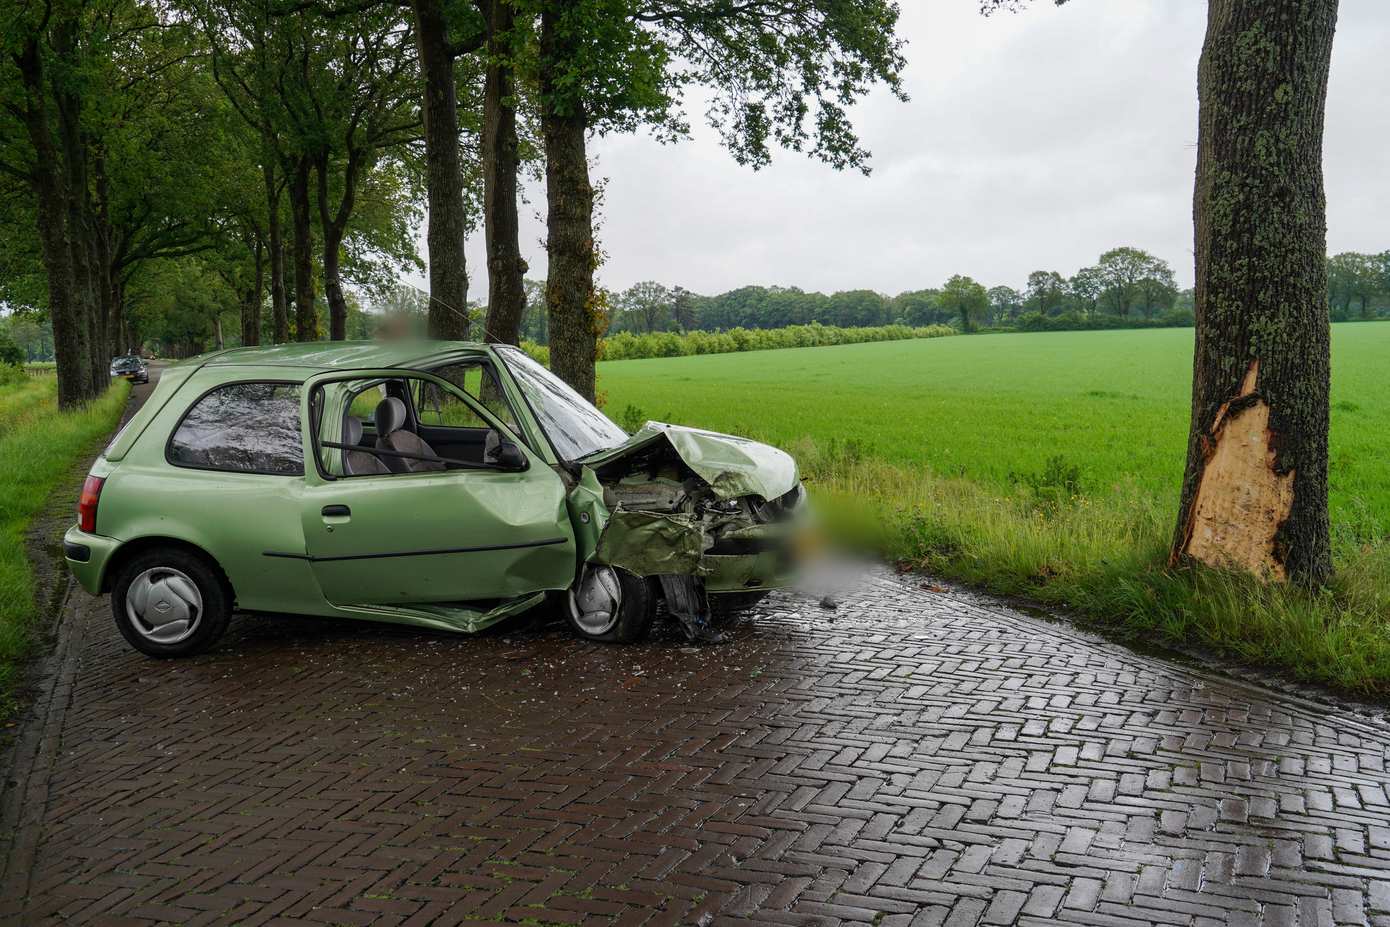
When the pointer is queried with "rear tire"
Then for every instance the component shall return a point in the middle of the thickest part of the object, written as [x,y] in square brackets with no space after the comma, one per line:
[610,605]
[169,602]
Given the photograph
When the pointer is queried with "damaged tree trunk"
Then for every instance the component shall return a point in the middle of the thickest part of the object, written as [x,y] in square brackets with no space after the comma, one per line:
[1254,496]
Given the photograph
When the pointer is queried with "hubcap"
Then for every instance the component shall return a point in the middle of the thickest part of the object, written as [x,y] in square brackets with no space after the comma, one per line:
[596,600]
[164,605]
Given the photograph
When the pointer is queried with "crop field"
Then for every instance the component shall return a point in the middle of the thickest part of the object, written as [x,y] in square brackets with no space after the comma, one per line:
[996,409]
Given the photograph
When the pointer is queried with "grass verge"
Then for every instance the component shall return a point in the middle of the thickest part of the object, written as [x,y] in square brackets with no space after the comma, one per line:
[39,447]
[1105,561]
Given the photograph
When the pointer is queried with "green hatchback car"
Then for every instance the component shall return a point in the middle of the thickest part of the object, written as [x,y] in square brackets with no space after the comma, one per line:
[442,484]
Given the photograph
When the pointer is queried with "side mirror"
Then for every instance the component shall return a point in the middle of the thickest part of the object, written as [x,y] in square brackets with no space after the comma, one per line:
[507,456]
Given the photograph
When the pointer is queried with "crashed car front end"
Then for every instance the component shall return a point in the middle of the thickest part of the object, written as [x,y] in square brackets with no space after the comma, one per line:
[702,514]
[681,501]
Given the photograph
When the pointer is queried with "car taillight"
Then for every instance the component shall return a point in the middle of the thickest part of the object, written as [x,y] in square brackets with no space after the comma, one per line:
[87,504]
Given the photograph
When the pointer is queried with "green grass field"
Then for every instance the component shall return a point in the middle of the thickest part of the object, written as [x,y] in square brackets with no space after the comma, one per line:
[991,408]
[39,447]
[944,454]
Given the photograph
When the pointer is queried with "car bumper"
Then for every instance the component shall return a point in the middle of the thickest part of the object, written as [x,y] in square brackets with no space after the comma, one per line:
[772,569]
[87,556]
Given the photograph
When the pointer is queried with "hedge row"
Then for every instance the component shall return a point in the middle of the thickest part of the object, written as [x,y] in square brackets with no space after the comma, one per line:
[629,346]
[1074,322]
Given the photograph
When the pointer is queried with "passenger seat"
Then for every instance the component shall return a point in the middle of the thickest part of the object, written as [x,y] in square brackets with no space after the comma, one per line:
[393,436]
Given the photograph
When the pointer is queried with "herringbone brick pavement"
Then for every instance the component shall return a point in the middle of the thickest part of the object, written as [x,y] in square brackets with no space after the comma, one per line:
[912,758]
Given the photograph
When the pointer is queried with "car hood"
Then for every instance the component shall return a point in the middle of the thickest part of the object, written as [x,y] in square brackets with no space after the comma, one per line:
[732,466]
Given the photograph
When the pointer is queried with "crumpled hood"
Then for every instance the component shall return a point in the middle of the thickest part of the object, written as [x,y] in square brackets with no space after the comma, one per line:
[732,466]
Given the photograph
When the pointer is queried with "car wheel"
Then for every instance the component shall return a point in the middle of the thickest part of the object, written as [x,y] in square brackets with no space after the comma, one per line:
[170,603]
[726,605]
[610,605]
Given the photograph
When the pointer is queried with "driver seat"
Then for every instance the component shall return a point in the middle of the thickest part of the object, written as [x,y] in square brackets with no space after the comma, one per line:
[358,463]
[392,435]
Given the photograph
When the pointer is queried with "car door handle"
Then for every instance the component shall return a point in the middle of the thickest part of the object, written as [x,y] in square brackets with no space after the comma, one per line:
[336,511]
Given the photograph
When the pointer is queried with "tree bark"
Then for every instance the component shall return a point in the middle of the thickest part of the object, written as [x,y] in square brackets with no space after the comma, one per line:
[1254,496]
[81,238]
[332,243]
[569,289]
[279,311]
[506,270]
[448,222]
[251,301]
[306,323]
[70,330]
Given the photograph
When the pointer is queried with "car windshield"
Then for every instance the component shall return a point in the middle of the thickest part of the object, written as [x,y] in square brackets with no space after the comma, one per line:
[572,423]
[126,363]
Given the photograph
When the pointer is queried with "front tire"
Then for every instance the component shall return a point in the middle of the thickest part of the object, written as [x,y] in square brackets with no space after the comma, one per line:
[169,602]
[610,605]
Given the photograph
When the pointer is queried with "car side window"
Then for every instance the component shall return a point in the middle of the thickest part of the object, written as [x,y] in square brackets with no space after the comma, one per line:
[477,380]
[242,427]
[439,408]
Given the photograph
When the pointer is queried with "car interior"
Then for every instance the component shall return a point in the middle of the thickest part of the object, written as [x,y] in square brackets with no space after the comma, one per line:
[409,425]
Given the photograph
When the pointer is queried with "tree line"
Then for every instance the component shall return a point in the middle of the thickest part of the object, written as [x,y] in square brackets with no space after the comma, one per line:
[162,160]
[1126,287]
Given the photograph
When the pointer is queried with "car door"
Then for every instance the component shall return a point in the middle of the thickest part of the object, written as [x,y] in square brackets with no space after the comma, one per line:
[462,534]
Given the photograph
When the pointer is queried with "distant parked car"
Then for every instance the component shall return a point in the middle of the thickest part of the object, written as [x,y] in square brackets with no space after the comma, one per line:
[441,484]
[132,368]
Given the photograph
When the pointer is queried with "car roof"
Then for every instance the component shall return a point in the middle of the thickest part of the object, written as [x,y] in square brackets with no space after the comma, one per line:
[334,355]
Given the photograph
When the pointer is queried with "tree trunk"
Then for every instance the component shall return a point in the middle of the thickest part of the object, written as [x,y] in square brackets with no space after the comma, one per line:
[81,238]
[251,302]
[69,329]
[306,323]
[448,222]
[332,242]
[506,270]
[1254,496]
[569,288]
[279,312]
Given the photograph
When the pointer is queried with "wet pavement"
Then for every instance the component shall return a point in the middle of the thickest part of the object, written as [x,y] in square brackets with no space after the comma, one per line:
[913,757]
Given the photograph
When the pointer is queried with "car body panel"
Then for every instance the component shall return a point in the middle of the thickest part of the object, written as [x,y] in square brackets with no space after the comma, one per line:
[430,537]
[731,465]
[457,549]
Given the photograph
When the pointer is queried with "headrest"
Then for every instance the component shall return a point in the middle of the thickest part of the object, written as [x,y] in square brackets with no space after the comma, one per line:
[389,416]
[352,430]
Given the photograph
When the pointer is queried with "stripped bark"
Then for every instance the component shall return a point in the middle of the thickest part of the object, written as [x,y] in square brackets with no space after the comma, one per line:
[1254,495]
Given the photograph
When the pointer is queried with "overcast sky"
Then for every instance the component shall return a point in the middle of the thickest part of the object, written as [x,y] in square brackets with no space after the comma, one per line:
[1034,140]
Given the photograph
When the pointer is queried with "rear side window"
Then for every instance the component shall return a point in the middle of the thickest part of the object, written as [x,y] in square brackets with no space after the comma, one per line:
[246,427]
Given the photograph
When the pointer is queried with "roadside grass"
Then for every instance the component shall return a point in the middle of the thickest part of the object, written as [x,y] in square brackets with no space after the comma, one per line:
[39,448]
[1047,466]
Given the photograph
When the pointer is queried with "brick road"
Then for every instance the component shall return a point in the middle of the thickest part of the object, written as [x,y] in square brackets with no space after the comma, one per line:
[912,758]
